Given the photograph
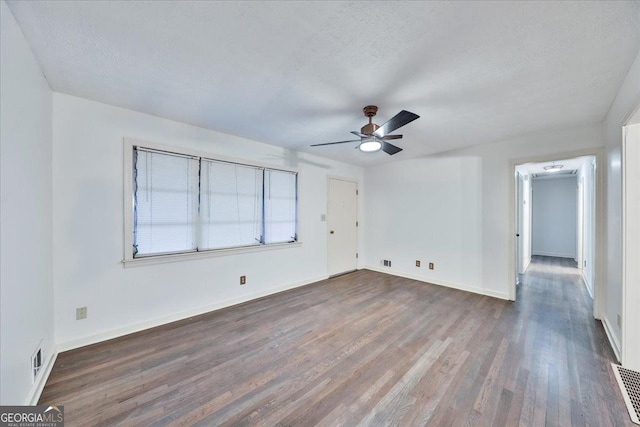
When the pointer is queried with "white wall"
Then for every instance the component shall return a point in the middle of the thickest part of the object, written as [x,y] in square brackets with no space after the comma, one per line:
[26,291]
[453,209]
[88,227]
[554,217]
[623,106]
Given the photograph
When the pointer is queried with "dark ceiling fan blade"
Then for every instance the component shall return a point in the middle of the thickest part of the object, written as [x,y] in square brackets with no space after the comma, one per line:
[397,121]
[390,137]
[338,142]
[390,148]
[361,135]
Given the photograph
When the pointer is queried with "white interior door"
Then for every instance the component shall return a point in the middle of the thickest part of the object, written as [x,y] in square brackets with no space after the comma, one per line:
[519,224]
[342,213]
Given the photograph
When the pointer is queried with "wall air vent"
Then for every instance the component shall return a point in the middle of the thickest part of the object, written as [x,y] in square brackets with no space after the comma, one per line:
[36,364]
[629,382]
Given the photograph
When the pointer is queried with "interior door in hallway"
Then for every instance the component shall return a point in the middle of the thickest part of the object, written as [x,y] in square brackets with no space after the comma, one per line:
[342,240]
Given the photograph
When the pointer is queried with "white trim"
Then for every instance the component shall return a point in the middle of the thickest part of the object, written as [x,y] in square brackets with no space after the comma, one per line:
[162,259]
[554,254]
[36,391]
[615,345]
[545,177]
[599,255]
[141,326]
[630,246]
[460,287]
[342,178]
[627,248]
[526,265]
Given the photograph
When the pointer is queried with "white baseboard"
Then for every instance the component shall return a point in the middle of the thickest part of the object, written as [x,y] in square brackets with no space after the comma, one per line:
[587,284]
[526,265]
[36,391]
[126,330]
[554,254]
[472,289]
[612,337]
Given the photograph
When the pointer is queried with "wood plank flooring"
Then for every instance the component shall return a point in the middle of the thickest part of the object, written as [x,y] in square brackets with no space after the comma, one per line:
[361,349]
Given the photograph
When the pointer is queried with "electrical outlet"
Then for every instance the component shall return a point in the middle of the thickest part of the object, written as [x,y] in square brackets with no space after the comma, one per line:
[323,217]
[619,321]
[431,266]
[81,313]
[243,280]
[386,262]
[417,263]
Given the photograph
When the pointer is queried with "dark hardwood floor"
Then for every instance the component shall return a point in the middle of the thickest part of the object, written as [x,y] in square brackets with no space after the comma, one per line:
[361,349]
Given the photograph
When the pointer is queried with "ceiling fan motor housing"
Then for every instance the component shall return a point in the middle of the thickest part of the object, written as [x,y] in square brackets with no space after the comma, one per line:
[368,129]
[369,111]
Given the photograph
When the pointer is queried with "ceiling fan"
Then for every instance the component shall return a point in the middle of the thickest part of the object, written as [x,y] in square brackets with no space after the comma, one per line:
[374,137]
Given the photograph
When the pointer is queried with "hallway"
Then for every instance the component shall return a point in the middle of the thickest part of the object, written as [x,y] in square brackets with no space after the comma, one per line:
[567,346]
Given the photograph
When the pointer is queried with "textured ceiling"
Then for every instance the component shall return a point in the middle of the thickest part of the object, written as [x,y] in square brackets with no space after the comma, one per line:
[297,73]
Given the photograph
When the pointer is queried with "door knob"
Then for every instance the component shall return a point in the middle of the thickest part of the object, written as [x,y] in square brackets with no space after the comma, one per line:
[332,232]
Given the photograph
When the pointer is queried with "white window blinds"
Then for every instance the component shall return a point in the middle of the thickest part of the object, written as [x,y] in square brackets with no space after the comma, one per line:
[166,202]
[230,205]
[280,209]
[185,203]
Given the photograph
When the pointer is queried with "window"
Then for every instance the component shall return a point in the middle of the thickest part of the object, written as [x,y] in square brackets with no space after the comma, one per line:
[230,205]
[184,203]
[166,202]
[279,206]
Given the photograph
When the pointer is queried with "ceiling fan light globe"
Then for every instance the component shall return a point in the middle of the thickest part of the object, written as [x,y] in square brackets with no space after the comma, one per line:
[370,146]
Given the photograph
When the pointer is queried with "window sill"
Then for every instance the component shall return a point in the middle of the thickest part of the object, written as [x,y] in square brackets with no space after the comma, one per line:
[163,259]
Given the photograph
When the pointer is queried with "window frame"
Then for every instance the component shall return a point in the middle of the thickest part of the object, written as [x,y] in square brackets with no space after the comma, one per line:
[128,204]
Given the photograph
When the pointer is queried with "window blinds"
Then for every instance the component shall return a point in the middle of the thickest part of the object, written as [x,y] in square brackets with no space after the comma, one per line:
[280,206]
[166,202]
[184,203]
[230,205]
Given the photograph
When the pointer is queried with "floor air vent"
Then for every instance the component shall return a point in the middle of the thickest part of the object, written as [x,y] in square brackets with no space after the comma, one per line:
[629,382]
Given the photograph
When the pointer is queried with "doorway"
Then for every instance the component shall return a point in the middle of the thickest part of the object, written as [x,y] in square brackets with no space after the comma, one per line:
[342,217]
[555,218]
